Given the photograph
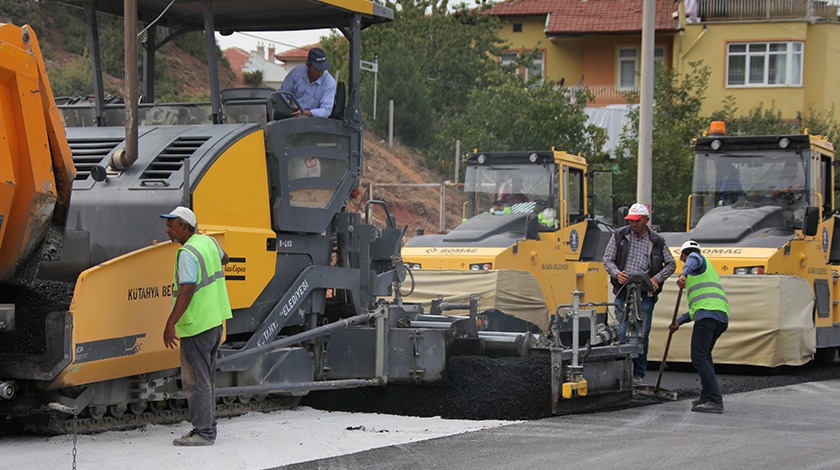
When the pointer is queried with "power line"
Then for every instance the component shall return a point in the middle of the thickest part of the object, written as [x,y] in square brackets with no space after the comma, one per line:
[270,40]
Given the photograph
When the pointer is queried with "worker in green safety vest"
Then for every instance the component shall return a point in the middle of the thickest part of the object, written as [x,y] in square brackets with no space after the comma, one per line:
[199,307]
[709,310]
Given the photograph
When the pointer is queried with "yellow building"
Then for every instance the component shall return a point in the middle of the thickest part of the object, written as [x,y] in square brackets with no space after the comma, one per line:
[760,52]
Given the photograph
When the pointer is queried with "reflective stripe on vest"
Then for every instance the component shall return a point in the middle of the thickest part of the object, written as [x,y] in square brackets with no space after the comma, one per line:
[209,305]
[205,279]
[705,292]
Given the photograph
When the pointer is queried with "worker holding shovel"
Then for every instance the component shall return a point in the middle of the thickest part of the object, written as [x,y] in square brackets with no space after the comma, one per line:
[709,309]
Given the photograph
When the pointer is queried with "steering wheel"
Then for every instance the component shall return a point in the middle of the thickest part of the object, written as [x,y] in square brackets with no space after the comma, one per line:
[788,196]
[293,102]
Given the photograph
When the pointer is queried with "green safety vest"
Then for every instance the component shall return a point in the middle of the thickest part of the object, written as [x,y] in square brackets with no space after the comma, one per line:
[209,306]
[705,292]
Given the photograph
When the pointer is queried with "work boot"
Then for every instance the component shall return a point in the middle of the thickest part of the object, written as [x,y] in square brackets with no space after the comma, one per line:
[192,439]
[708,407]
[698,401]
[638,381]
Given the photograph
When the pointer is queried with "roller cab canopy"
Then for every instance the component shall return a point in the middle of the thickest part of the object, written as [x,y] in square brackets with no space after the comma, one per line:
[230,16]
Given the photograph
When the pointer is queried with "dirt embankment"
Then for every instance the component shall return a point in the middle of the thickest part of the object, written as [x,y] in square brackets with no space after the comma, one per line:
[392,171]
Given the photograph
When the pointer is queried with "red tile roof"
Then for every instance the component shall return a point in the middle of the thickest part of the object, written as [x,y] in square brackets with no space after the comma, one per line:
[300,54]
[589,16]
[237,58]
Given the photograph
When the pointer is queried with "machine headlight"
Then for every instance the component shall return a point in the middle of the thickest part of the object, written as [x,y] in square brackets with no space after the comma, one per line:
[750,270]
[481,159]
[784,142]
[414,265]
[533,157]
[716,144]
[481,267]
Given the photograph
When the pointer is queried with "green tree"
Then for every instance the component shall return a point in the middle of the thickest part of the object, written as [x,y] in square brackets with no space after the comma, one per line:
[676,120]
[430,58]
[513,116]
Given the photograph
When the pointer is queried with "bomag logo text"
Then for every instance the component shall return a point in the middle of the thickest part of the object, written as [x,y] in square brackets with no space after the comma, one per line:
[556,266]
[457,251]
[715,251]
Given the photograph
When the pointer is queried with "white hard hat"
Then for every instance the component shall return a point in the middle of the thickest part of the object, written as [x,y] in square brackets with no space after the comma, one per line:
[690,245]
[182,213]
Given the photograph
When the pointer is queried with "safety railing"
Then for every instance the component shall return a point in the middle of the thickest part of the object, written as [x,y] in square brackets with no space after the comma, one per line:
[734,10]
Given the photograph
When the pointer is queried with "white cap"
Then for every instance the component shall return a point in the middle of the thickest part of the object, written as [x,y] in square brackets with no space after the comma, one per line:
[689,245]
[183,213]
[637,211]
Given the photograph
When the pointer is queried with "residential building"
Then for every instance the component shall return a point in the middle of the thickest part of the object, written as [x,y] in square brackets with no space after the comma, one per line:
[274,71]
[586,43]
[774,53]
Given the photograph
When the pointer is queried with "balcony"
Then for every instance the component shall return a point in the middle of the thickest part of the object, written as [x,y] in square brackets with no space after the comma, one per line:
[752,10]
[602,95]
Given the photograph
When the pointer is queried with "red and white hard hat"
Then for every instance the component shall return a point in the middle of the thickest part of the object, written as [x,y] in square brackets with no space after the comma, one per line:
[637,211]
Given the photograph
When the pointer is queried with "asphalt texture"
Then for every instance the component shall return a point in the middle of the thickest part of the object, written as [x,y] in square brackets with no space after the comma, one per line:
[37,300]
[794,426]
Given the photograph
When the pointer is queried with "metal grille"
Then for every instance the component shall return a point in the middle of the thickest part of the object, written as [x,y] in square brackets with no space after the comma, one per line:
[89,152]
[171,160]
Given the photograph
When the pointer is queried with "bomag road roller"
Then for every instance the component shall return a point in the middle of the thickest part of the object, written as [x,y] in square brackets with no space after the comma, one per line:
[763,210]
[528,246]
[315,289]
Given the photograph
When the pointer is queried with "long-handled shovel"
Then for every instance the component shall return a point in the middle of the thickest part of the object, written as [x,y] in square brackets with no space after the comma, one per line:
[656,391]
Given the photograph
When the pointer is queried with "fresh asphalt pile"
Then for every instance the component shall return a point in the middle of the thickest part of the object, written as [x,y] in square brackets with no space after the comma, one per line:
[32,304]
[480,388]
[477,387]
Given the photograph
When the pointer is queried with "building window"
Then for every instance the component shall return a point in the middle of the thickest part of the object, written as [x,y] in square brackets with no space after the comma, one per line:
[536,70]
[517,27]
[507,58]
[628,65]
[764,64]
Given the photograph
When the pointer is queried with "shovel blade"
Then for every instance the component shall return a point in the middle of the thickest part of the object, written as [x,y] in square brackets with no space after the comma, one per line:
[656,392]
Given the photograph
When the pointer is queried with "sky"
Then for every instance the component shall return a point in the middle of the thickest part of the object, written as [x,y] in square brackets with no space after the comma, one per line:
[283,40]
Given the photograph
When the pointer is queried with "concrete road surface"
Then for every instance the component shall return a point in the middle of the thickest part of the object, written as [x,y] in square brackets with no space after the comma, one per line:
[796,426]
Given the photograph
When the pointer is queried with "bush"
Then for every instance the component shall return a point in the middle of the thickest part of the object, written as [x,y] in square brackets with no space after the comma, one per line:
[254,78]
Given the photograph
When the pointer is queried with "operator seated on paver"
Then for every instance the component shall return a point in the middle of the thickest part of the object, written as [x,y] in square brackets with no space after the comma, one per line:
[312,85]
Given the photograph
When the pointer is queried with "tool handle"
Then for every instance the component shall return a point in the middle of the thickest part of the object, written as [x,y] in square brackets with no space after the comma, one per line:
[668,343]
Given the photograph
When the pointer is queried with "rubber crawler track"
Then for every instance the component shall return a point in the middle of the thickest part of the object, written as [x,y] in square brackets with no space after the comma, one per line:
[62,424]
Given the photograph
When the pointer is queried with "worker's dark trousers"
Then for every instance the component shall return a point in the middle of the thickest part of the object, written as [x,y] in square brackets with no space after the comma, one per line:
[706,332]
[640,361]
[198,377]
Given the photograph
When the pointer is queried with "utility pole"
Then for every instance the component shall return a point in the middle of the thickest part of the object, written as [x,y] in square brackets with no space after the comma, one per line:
[644,178]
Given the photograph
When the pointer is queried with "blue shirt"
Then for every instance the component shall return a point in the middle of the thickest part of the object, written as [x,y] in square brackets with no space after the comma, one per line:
[696,264]
[318,96]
